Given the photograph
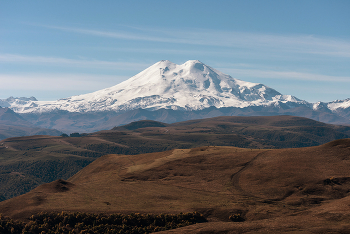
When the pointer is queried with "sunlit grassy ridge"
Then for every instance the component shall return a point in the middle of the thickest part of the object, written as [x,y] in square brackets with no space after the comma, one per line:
[26,162]
[270,190]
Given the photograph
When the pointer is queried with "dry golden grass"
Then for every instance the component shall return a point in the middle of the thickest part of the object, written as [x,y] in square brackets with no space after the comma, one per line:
[303,190]
[42,159]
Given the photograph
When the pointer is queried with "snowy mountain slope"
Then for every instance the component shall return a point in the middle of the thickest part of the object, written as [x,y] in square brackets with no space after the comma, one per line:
[333,106]
[339,104]
[340,107]
[18,101]
[190,86]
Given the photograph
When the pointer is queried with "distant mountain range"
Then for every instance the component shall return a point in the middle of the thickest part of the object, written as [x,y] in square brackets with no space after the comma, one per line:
[14,125]
[169,93]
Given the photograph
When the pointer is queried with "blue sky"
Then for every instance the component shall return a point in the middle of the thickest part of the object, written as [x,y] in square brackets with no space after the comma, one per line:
[56,49]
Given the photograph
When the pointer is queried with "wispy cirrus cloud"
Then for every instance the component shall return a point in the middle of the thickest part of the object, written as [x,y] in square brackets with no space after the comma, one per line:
[57,82]
[117,35]
[287,75]
[304,44]
[248,71]
[16,58]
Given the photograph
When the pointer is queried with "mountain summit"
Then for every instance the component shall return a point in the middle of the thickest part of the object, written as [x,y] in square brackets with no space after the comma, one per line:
[168,92]
[189,86]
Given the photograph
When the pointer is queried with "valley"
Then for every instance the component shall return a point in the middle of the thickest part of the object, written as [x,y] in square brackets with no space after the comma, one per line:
[27,162]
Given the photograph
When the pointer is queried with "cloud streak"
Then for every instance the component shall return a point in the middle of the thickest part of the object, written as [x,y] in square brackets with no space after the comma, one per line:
[15,58]
[57,82]
[40,81]
[287,75]
[304,44]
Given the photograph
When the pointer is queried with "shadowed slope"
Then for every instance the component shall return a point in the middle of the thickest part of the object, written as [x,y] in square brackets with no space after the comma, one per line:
[13,125]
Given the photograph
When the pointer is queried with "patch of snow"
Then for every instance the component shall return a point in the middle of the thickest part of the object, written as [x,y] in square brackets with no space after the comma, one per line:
[344,104]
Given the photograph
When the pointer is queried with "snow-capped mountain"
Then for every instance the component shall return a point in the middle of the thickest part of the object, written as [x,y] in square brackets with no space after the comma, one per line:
[18,101]
[169,93]
[334,106]
[339,104]
[190,86]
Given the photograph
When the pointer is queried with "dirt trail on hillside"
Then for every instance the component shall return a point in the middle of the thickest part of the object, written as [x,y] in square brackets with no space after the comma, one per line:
[177,154]
[235,177]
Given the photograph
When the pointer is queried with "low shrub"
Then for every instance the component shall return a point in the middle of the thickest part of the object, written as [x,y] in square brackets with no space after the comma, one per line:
[236,218]
[72,223]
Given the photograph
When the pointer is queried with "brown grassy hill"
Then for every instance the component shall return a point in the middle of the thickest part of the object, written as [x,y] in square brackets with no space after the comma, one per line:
[301,190]
[27,162]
